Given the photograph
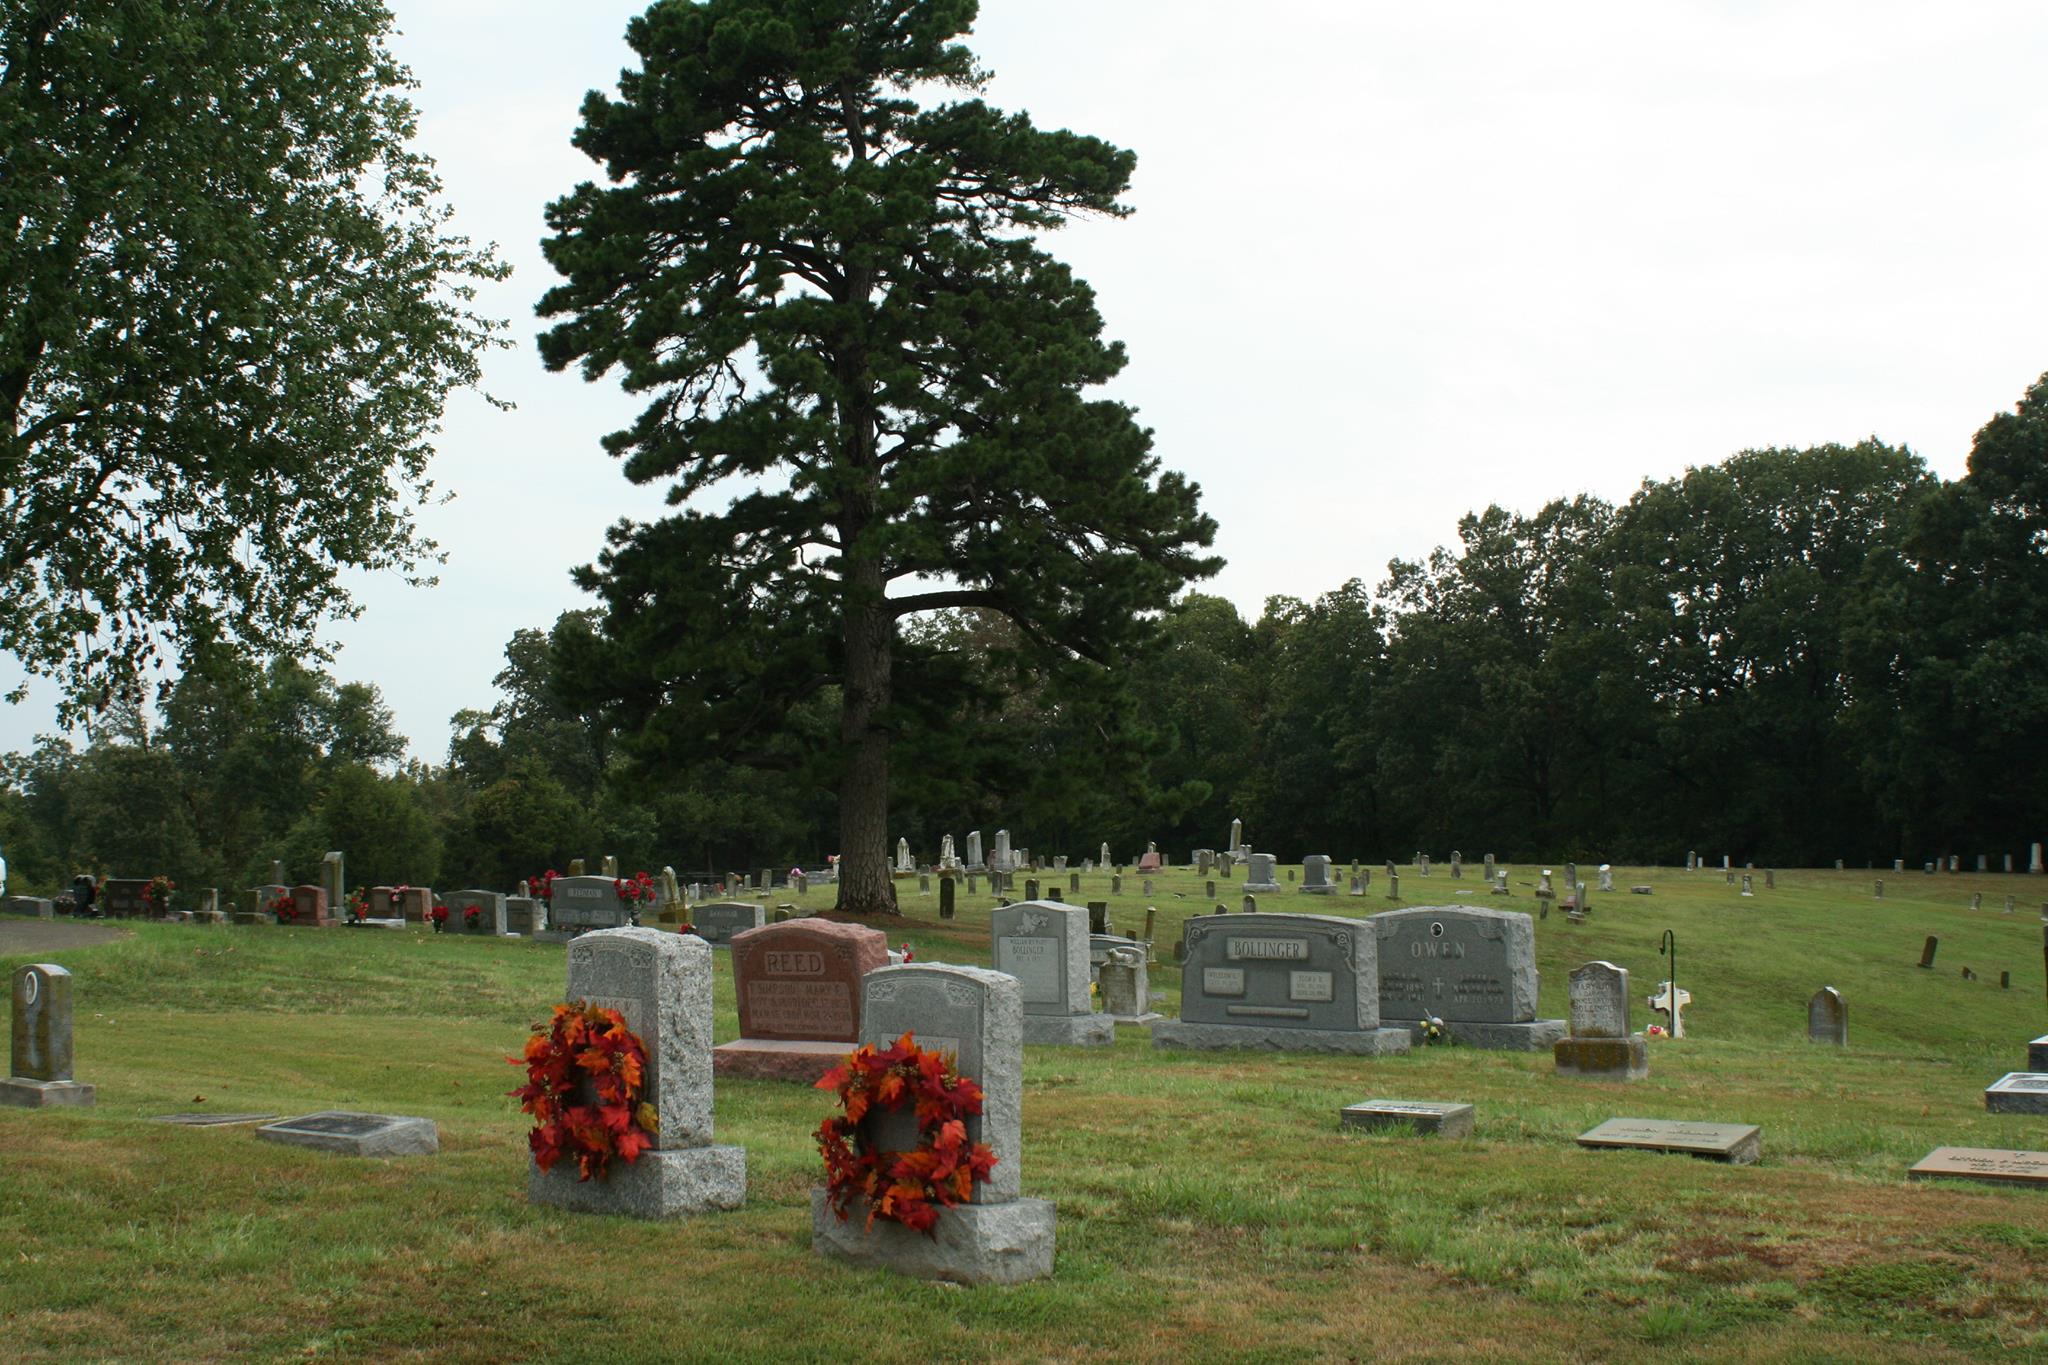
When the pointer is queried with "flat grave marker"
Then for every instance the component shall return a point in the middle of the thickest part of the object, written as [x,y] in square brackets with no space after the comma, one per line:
[2018,1092]
[352,1134]
[1429,1118]
[1739,1144]
[1990,1164]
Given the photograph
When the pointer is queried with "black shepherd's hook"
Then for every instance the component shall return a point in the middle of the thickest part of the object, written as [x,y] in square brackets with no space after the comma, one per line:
[1670,946]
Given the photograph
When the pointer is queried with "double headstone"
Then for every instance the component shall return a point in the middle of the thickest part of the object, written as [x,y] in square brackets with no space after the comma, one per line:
[1472,970]
[999,1237]
[798,988]
[1315,876]
[582,904]
[40,1066]
[1300,983]
[1259,873]
[1045,946]
[1600,1045]
[660,983]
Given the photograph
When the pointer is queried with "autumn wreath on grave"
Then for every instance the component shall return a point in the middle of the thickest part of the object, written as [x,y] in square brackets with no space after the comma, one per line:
[905,1187]
[585,1074]
[285,908]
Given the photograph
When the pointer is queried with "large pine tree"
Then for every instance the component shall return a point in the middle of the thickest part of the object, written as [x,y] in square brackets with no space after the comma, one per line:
[816,257]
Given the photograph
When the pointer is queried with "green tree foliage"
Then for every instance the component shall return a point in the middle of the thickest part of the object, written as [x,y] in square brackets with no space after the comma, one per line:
[230,312]
[833,295]
[380,824]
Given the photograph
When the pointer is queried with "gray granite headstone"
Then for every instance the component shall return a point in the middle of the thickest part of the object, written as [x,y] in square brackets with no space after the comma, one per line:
[1259,873]
[1472,968]
[1827,1018]
[584,903]
[1280,981]
[1315,876]
[1600,1045]
[1429,1118]
[351,1134]
[491,916]
[1739,1144]
[1045,946]
[41,1056]
[1000,1237]
[717,922]
[2018,1092]
[660,983]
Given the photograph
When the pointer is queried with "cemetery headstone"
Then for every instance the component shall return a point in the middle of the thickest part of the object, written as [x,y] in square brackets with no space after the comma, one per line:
[717,922]
[1739,1144]
[661,984]
[1000,1237]
[1472,969]
[2018,1092]
[311,908]
[1600,1045]
[525,916]
[123,897]
[1259,873]
[1991,1165]
[1393,886]
[1426,1118]
[2037,1054]
[491,916]
[1045,946]
[352,1134]
[333,882]
[1296,983]
[1670,1002]
[41,1056]
[798,988]
[582,904]
[1315,876]
[974,859]
[1827,1018]
[1927,951]
[1606,877]
[947,896]
[1124,981]
[29,907]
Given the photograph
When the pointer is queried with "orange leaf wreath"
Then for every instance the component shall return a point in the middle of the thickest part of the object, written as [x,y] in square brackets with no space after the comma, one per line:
[905,1187]
[584,1079]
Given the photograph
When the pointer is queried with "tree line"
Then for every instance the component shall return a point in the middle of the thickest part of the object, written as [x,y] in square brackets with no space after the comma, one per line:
[1793,656]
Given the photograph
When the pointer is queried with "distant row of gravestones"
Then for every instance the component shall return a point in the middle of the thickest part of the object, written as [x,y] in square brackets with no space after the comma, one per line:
[807,989]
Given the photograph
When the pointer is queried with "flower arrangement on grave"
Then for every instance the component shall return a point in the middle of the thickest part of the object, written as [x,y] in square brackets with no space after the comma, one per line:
[398,901]
[1656,1031]
[904,1187]
[157,895]
[908,954]
[635,891]
[439,916]
[284,907]
[584,1083]
[472,917]
[542,885]
[1432,1030]
[359,905]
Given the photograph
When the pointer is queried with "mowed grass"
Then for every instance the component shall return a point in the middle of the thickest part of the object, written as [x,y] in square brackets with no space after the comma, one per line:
[1209,1208]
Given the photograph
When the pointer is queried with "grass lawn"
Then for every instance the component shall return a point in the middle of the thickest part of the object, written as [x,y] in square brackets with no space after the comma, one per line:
[1209,1208]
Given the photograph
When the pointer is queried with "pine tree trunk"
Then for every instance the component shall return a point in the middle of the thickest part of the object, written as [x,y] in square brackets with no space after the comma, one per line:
[865,886]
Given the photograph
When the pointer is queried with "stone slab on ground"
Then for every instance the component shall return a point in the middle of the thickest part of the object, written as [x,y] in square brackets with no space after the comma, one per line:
[1380,1042]
[1983,1163]
[2018,1092]
[668,1183]
[1431,1118]
[1737,1143]
[353,1134]
[1603,1059]
[1069,1030]
[776,1059]
[203,1120]
[1006,1243]
[18,1093]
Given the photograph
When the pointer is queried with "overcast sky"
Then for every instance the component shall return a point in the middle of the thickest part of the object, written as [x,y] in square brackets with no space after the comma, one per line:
[1390,262]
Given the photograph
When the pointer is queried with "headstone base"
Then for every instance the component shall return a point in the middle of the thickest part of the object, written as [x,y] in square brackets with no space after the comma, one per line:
[1148,1018]
[2018,1092]
[2037,1055]
[1316,890]
[357,1134]
[1262,886]
[1535,1036]
[1428,1118]
[1380,1042]
[777,1059]
[1603,1059]
[664,1184]
[1069,1030]
[254,917]
[17,1092]
[553,936]
[379,923]
[32,907]
[971,1243]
